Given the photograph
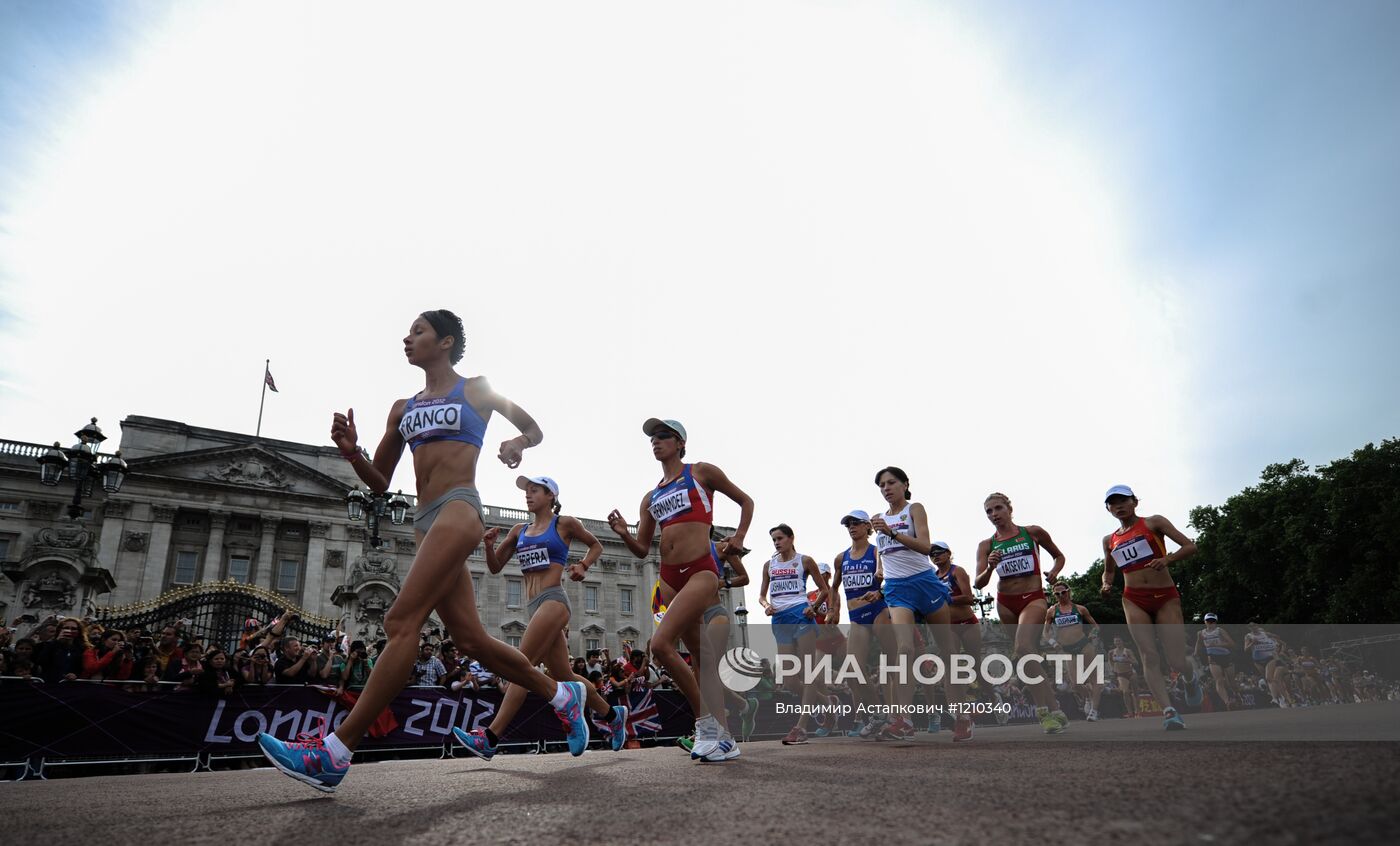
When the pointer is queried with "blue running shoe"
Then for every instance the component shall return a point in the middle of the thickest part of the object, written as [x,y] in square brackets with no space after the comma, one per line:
[1171,720]
[935,724]
[618,727]
[306,759]
[1194,693]
[821,731]
[573,716]
[476,743]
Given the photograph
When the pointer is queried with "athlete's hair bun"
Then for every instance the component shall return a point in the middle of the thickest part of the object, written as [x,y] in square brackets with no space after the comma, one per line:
[448,325]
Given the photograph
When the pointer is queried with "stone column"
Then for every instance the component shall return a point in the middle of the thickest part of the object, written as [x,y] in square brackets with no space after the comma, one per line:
[109,543]
[157,552]
[213,562]
[265,564]
[314,596]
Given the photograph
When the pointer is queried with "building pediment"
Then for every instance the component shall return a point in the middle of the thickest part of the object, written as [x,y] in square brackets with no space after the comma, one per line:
[243,466]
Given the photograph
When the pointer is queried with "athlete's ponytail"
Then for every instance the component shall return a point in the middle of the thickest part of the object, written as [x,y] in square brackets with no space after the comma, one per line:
[448,325]
[556,506]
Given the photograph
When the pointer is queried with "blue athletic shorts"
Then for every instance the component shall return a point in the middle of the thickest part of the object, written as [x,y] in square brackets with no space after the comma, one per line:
[866,614]
[790,624]
[923,594]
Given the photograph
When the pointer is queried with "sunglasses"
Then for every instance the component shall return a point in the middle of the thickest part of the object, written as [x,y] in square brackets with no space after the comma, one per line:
[664,436]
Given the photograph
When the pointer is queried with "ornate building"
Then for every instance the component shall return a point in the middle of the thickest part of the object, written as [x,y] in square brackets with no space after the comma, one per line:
[202,506]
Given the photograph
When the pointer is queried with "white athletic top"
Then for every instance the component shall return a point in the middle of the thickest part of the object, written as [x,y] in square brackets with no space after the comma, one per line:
[1213,638]
[787,582]
[900,561]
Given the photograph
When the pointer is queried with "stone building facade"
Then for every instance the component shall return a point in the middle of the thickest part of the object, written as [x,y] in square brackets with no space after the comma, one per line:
[202,505]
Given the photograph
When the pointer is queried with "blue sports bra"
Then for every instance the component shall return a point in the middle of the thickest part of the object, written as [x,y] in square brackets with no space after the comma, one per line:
[539,552]
[449,418]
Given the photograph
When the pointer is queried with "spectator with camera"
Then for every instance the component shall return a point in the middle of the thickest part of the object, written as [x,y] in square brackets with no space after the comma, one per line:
[191,667]
[294,664]
[321,668]
[457,667]
[259,670]
[61,659]
[355,669]
[428,668]
[109,660]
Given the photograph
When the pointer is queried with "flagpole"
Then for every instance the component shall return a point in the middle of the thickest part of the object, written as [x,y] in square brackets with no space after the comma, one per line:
[266,365]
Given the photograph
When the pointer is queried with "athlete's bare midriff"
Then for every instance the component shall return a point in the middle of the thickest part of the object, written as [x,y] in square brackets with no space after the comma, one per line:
[682,543]
[440,466]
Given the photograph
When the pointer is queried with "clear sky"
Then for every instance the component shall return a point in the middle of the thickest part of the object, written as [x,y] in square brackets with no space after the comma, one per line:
[1040,248]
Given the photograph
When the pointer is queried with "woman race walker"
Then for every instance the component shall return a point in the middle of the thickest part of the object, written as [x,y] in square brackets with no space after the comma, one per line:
[542,550]
[1064,629]
[966,626]
[857,571]
[783,595]
[914,594]
[1151,602]
[1124,664]
[1013,553]
[1263,649]
[444,426]
[1214,646]
[716,632]
[681,506]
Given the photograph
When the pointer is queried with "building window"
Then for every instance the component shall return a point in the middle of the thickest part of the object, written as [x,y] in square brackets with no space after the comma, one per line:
[291,531]
[513,593]
[4,550]
[627,600]
[185,563]
[239,566]
[590,598]
[194,520]
[243,525]
[513,640]
[591,644]
[288,574]
[476,585]
[9,505]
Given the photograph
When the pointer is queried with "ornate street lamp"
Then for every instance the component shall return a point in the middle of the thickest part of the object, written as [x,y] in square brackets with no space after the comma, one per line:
[81,464]
[370,506]
[743,614]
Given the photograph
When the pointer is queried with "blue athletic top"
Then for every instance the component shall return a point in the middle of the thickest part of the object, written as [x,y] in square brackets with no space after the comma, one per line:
[858,574]
[538,552]
[449,418]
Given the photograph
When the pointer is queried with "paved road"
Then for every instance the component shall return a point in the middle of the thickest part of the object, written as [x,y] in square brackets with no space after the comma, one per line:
[1147,788]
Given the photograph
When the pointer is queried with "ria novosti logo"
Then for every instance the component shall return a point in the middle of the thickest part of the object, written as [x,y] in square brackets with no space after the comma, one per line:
[740,669]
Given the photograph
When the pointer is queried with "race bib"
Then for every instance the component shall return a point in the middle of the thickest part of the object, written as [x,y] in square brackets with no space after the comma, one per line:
[857,581]
[1067,619]
[531,559]
[431,421]
[669,505]
[1135,553]
[1016,565]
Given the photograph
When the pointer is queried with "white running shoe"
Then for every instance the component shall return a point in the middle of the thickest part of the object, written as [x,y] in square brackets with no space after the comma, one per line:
[1092,716]
[707,734]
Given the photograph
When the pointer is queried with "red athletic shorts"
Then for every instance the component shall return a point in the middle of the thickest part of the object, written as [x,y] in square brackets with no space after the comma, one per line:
[676,575]
[971,622]
[1151,600]
[1017,602]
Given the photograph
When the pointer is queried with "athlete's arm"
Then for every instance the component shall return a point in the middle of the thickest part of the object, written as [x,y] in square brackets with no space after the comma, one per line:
[1186,546]
[964,588]
[1229,641]
[741,573]
[819,578]
[639,545]
[1042,537]
[496,557]
[984,567]
[512,450]
[1108,567]
[922,543]
[573,530]
[877,583]
[763,594]
[377,473]
[713,478]
[833,599]
[1084,614]
[1045,633]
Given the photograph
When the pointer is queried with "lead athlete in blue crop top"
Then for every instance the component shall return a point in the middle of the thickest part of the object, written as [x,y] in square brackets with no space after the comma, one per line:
[541,548]
[446,445]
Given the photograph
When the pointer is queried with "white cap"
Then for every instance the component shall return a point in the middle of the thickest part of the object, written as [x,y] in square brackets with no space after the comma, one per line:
[649,428]
[857,515]
[524,482]
[1119,490]
[943,545]
[1211,616]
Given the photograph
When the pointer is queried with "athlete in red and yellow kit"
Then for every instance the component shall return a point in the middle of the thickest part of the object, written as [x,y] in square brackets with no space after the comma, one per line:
[1150,598]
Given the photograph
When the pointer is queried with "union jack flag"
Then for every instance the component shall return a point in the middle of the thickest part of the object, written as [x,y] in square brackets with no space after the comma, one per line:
[644,717]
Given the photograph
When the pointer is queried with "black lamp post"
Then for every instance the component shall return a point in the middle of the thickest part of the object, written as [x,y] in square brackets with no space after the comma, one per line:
[743,614]
[370,506]
[984,603]
[81,464]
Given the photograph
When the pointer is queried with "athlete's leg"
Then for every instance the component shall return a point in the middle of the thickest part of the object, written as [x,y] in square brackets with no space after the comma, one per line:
[442,553]
[706,669]
[940,624]
[544,631]
[1028,627]
[1172,634]
[683,609]
[1145,636]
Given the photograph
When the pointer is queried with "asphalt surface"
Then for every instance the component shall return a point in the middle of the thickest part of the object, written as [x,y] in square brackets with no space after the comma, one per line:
[1228,779]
